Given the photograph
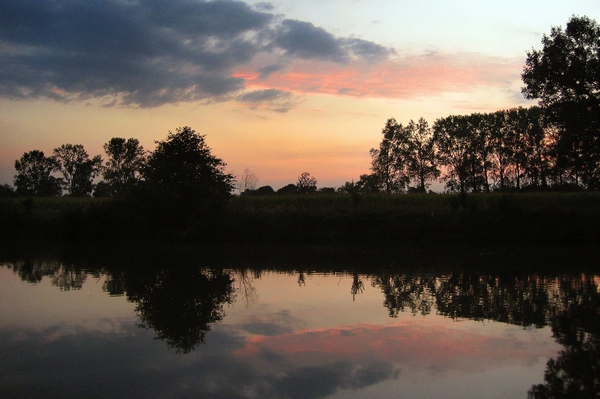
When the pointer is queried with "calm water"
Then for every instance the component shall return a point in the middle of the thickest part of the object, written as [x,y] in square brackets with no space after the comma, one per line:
[121,325]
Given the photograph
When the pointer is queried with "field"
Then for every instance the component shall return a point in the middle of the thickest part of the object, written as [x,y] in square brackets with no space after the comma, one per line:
[405,220]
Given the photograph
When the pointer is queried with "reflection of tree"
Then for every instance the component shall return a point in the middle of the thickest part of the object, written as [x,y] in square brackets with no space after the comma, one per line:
[406,292]
[509,300]
[357,285]
[181,305]
[575,373]
[62,276]
[245,288]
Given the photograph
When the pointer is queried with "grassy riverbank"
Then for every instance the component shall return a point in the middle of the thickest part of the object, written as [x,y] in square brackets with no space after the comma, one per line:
[419,219]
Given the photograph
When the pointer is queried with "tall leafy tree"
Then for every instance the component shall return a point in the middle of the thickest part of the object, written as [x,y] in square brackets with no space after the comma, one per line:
[389,162]
[454,140]
[34,175]
[565,77]
[125,159]
[536,141]
[77,168]
[501,143]
[421,154]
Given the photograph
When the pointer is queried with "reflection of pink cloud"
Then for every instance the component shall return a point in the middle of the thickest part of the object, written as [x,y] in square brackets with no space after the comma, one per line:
[417,344]
[404,78]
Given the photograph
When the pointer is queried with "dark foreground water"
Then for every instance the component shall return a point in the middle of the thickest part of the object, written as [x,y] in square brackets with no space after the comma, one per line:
[176,324]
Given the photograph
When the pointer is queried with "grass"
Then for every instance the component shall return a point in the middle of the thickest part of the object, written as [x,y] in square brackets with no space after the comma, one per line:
[549,218]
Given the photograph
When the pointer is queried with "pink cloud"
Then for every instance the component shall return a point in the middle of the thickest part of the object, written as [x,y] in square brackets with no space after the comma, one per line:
[407,77]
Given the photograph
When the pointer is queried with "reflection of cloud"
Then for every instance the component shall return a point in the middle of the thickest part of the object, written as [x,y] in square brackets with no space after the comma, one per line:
[272,324]
[415,344]
[131,364]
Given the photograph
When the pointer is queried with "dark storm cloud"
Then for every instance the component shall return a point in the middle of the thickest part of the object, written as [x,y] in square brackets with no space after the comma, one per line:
[366,50]
[150,52]
[304,40]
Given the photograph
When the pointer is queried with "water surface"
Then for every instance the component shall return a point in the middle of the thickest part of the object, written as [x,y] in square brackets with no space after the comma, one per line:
[174,326]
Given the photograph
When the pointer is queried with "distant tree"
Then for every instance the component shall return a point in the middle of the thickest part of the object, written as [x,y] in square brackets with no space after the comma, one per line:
[326,190]
[421,155]
[34,175]
[264,190]
[77,168]
[7,191]
[289,189]
[247,181]
[455,142]
[353,190]
[565,77]
[183,168]
[306,184]
[501,140]
[125,160]
[368,183]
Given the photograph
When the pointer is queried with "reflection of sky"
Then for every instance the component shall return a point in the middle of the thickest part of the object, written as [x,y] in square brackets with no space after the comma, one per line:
[309,341]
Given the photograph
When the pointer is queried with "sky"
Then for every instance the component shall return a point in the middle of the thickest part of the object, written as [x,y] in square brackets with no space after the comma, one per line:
[280,87]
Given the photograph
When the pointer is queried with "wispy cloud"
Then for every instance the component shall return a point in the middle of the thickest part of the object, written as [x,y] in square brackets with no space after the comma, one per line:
[397,77]
[272,99]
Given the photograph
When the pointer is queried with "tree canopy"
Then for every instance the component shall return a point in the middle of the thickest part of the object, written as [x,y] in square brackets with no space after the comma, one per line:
[34,175]
[183,165]
[77,168]
[124,163]
[565,76]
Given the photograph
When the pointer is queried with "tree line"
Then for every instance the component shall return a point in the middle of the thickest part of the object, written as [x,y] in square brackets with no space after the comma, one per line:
[182,164]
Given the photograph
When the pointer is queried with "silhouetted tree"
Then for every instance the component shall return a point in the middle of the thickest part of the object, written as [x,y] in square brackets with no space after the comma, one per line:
[502,150]
[264,190]
[538,159]
[288,189]
[77,168]
[247,181]
[421,154]
[183,172]
[368,183]
[454,139]
[125,160]
[389,162]
[34,175]
[306,184]
[565,77]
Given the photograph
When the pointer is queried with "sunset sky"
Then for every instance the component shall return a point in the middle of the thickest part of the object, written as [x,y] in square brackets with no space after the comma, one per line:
[280,87]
